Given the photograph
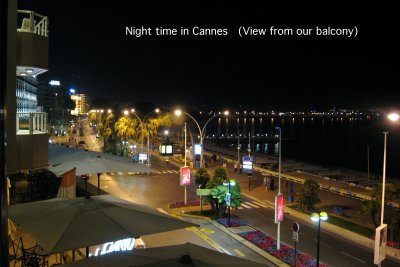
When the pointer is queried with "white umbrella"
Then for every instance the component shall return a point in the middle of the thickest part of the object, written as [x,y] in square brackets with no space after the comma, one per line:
[65,224]
[178,255]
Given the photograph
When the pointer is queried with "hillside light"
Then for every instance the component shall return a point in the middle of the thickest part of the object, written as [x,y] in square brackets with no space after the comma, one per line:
[317,217]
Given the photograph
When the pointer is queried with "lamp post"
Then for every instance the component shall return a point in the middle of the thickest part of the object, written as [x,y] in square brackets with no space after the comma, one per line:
[228,198]
[317,217]
[278,243]
[202,131]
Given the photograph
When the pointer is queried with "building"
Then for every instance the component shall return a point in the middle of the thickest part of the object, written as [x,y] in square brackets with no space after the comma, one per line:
[81,104]
[26,93]
[27,58]
[46,94]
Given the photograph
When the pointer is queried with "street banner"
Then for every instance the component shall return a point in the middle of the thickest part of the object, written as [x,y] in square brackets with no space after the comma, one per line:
[279,208]
[185,176]
[198,149]
[380,243]
[68,185]
[247,164]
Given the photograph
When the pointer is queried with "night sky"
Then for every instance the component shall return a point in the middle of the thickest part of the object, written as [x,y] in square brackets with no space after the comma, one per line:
[90,51]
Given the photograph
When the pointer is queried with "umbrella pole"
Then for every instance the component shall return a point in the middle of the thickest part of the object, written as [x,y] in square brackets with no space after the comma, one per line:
[98,183]
[87,252]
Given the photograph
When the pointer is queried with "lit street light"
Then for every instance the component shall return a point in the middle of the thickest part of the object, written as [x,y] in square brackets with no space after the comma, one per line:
[202,131]
[317,217]
[278,243]
[393,116]
[228,198]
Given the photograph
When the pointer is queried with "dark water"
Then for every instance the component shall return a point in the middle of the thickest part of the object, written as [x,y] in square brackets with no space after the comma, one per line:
[341,142]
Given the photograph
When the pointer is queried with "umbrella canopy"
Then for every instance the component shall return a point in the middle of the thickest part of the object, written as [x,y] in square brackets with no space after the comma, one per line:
[178,255]
[65,224]
[99,164]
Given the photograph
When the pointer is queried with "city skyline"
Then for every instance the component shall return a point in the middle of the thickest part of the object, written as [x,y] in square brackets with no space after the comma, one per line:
[92,51]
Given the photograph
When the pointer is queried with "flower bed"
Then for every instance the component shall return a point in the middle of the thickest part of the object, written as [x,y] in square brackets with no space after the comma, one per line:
[234,222]
[286,253]
[180,204]
[389,243]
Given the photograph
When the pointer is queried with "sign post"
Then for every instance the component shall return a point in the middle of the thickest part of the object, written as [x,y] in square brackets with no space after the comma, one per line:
[296,228]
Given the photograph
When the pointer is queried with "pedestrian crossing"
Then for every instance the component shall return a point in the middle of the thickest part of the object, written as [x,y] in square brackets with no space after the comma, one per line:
[252,205]
[136,173]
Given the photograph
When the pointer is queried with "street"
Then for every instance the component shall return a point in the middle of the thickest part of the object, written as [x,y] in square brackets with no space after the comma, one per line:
[162,188]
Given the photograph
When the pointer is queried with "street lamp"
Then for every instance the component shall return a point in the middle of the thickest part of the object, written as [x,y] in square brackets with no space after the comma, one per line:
[278,243]
[317,217]
[393,116]
[202,131]
[228,198]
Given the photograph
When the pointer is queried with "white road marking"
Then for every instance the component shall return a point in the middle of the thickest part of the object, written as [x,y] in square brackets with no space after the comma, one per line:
[169,171]
[245,206]
[261,204]
[253,205]
[351,256]
[161,210]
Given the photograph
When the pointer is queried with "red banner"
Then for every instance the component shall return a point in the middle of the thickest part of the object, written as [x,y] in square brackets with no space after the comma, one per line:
[279,205]
[185,176]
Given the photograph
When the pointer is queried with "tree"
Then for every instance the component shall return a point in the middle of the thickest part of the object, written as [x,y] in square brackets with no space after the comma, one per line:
[309,195]
[107,130]
[218,193]
[126,128]
[202,177]
[392,215]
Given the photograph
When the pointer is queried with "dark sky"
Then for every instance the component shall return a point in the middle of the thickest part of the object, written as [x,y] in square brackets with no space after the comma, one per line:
[90,51]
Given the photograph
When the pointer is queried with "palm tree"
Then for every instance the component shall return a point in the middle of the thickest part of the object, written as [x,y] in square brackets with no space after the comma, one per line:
[126,128]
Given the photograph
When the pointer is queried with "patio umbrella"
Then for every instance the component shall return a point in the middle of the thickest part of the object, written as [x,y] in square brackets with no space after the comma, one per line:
[64,224]
[178,255]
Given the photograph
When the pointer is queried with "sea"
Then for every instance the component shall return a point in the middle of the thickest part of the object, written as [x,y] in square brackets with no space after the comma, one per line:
[350,142]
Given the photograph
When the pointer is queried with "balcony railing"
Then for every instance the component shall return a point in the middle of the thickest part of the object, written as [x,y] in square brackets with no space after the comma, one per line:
[33,22]
[31,123]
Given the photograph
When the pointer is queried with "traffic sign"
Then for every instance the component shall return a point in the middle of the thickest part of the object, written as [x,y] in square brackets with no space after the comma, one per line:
[296,227]
[228,199]
[295,237]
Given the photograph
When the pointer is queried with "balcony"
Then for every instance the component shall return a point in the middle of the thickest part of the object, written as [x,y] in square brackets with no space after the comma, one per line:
[32,43]
[32,140]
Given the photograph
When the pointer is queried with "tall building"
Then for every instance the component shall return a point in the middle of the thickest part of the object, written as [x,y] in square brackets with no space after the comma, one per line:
[81,104]
[47,93]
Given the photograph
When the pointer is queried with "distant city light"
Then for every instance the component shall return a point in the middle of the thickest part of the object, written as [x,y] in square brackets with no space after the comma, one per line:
[56,83]
[72,91]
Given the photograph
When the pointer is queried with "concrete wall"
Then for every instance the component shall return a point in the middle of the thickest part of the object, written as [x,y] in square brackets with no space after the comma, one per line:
[11,106]
[32,50]
[32,151]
